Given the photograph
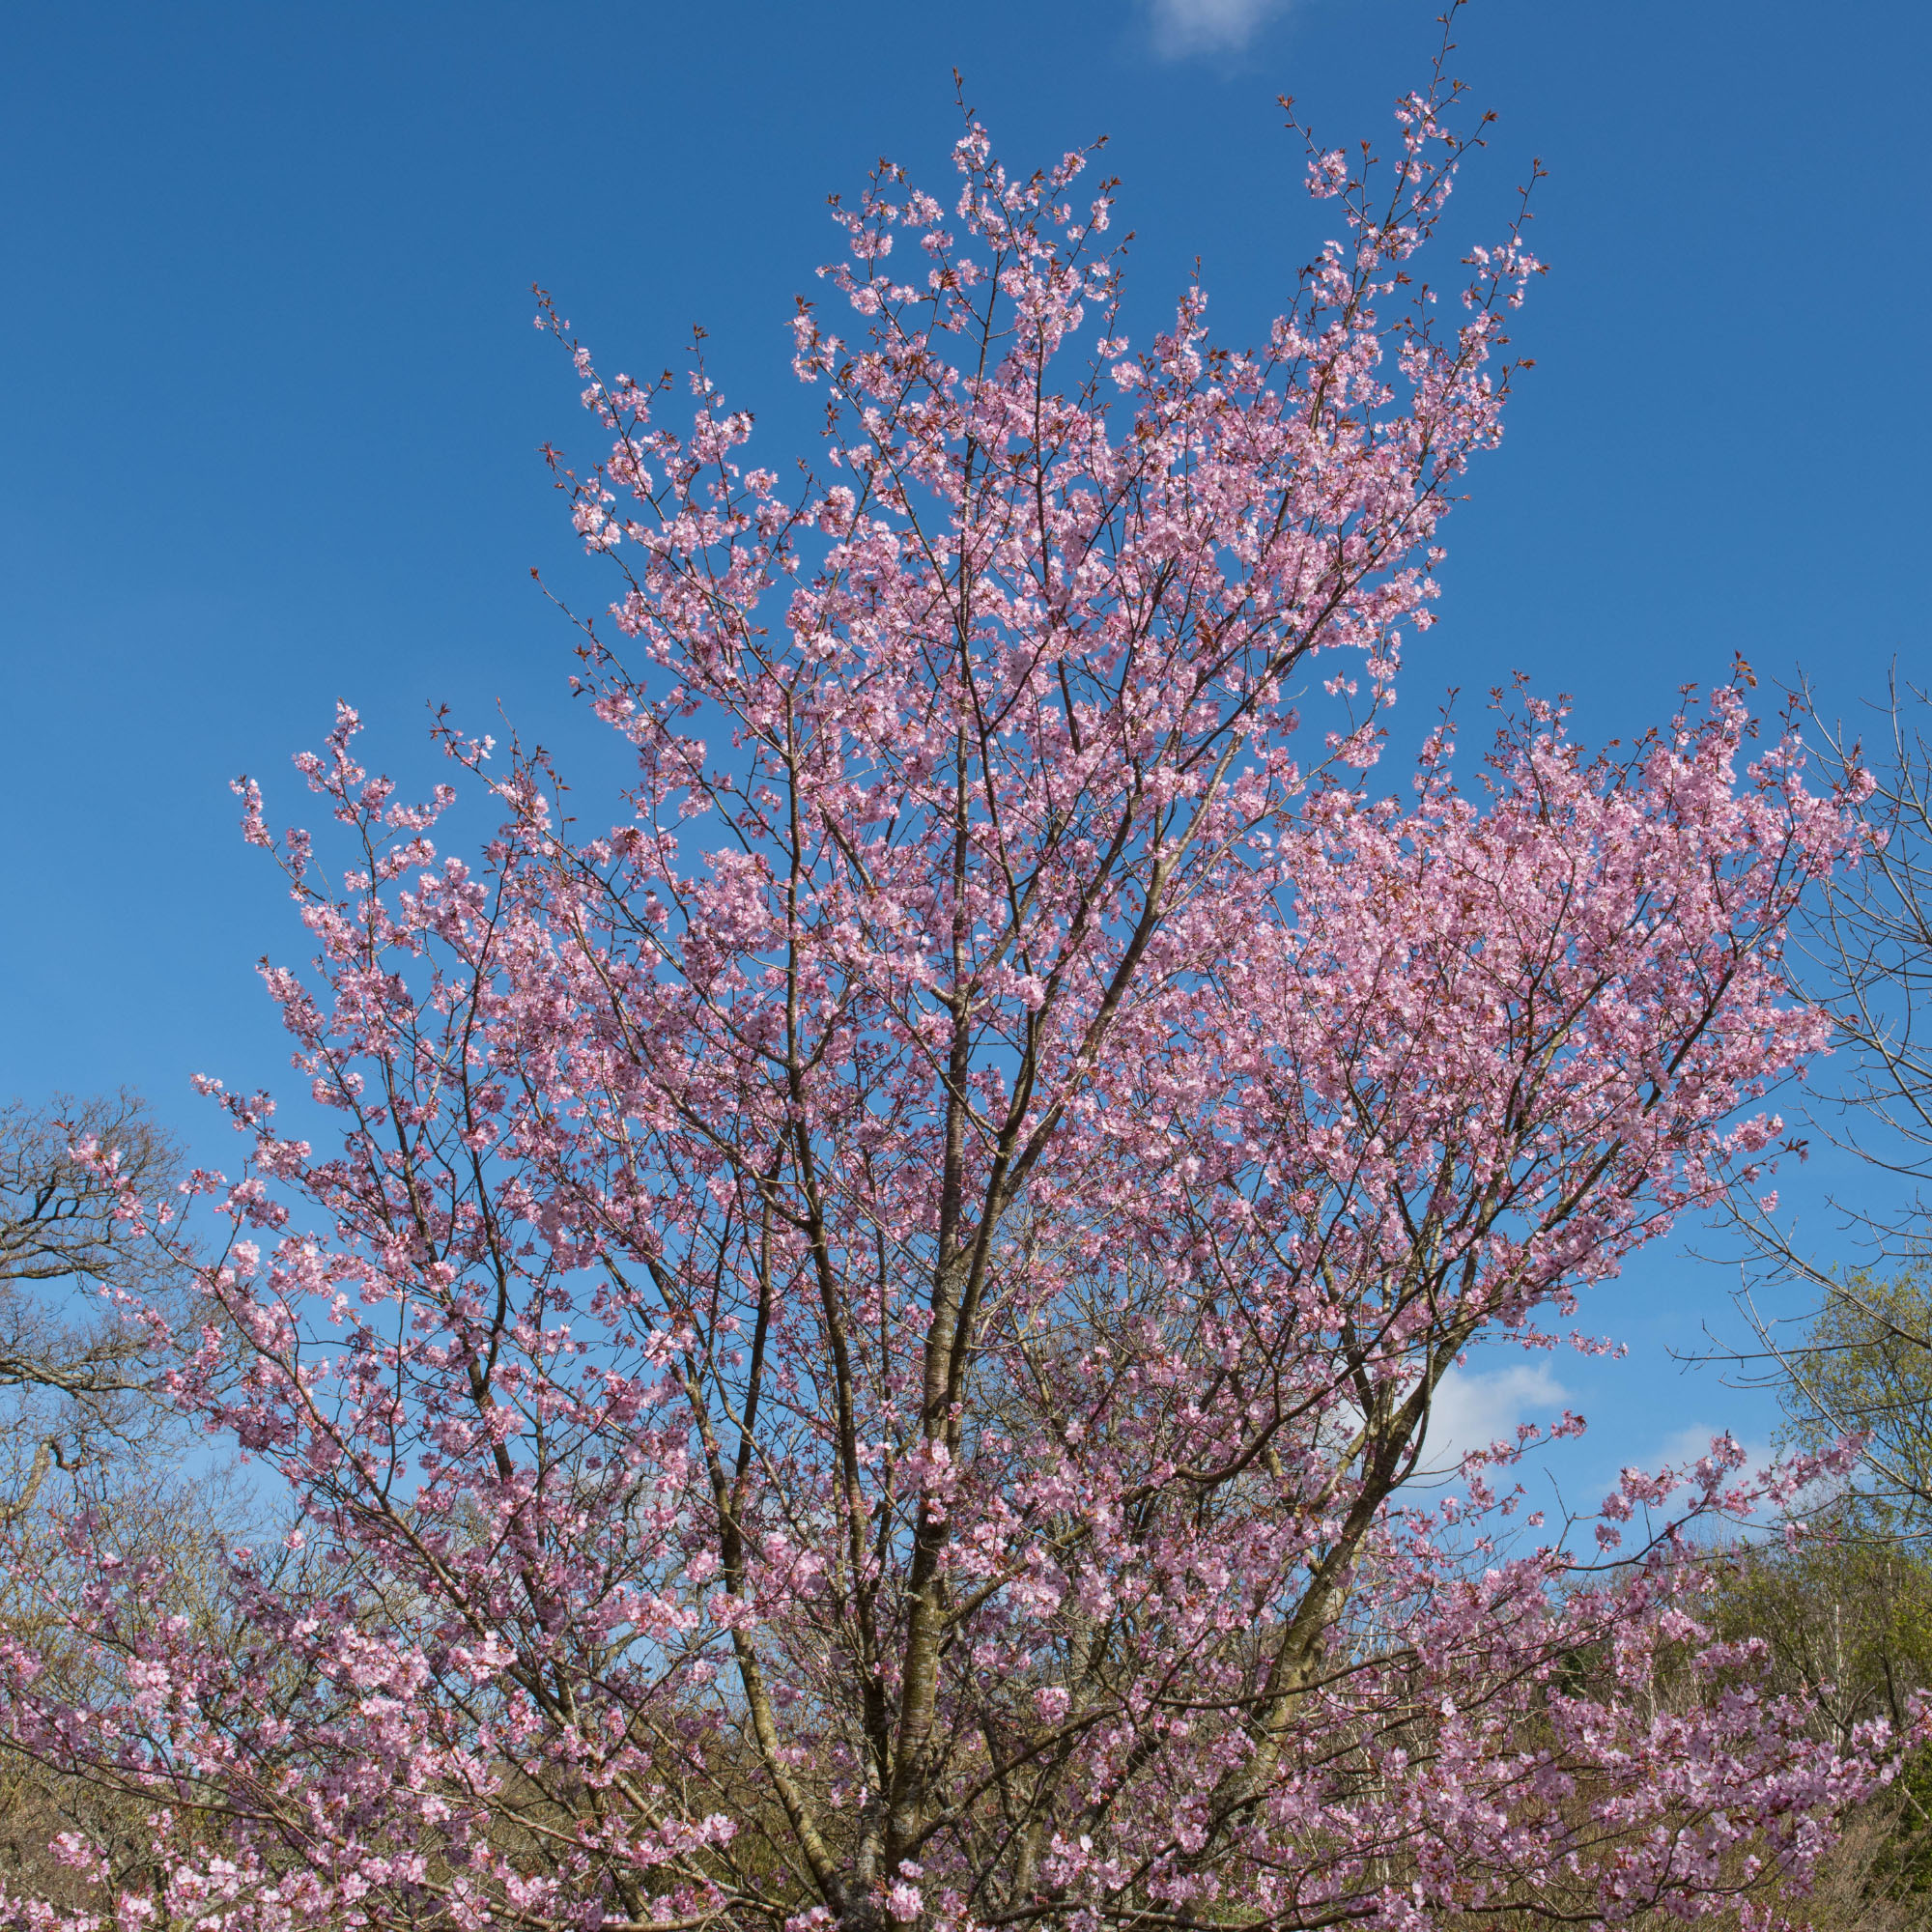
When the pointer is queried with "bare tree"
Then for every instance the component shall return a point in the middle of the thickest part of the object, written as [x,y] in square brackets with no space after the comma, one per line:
[1873,938]
[75,1371]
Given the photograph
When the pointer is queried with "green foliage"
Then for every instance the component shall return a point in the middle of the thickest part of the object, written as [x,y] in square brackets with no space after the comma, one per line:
[1904,1867]
[1866,1368]
[1846,1617]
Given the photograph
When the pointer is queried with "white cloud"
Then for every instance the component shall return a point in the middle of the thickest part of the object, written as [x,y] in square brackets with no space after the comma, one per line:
[1471,1411]
[1208,26]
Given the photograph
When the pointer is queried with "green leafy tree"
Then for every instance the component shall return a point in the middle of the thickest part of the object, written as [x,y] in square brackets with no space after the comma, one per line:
[1865,1368]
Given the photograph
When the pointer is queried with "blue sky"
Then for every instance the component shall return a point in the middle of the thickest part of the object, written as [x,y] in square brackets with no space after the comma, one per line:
[273,398]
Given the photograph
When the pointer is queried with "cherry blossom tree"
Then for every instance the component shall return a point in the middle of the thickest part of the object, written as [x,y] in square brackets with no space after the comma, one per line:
[862,1354]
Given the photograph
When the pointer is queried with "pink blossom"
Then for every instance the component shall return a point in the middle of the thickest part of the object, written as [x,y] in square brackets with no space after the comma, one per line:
[860,1335]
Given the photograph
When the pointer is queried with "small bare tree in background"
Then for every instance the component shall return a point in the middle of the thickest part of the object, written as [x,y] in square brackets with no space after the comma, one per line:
[74,1372]
[1874,938]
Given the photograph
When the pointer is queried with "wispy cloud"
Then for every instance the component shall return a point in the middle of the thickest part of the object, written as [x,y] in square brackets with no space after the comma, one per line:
[1183,27]
[1472,1409]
